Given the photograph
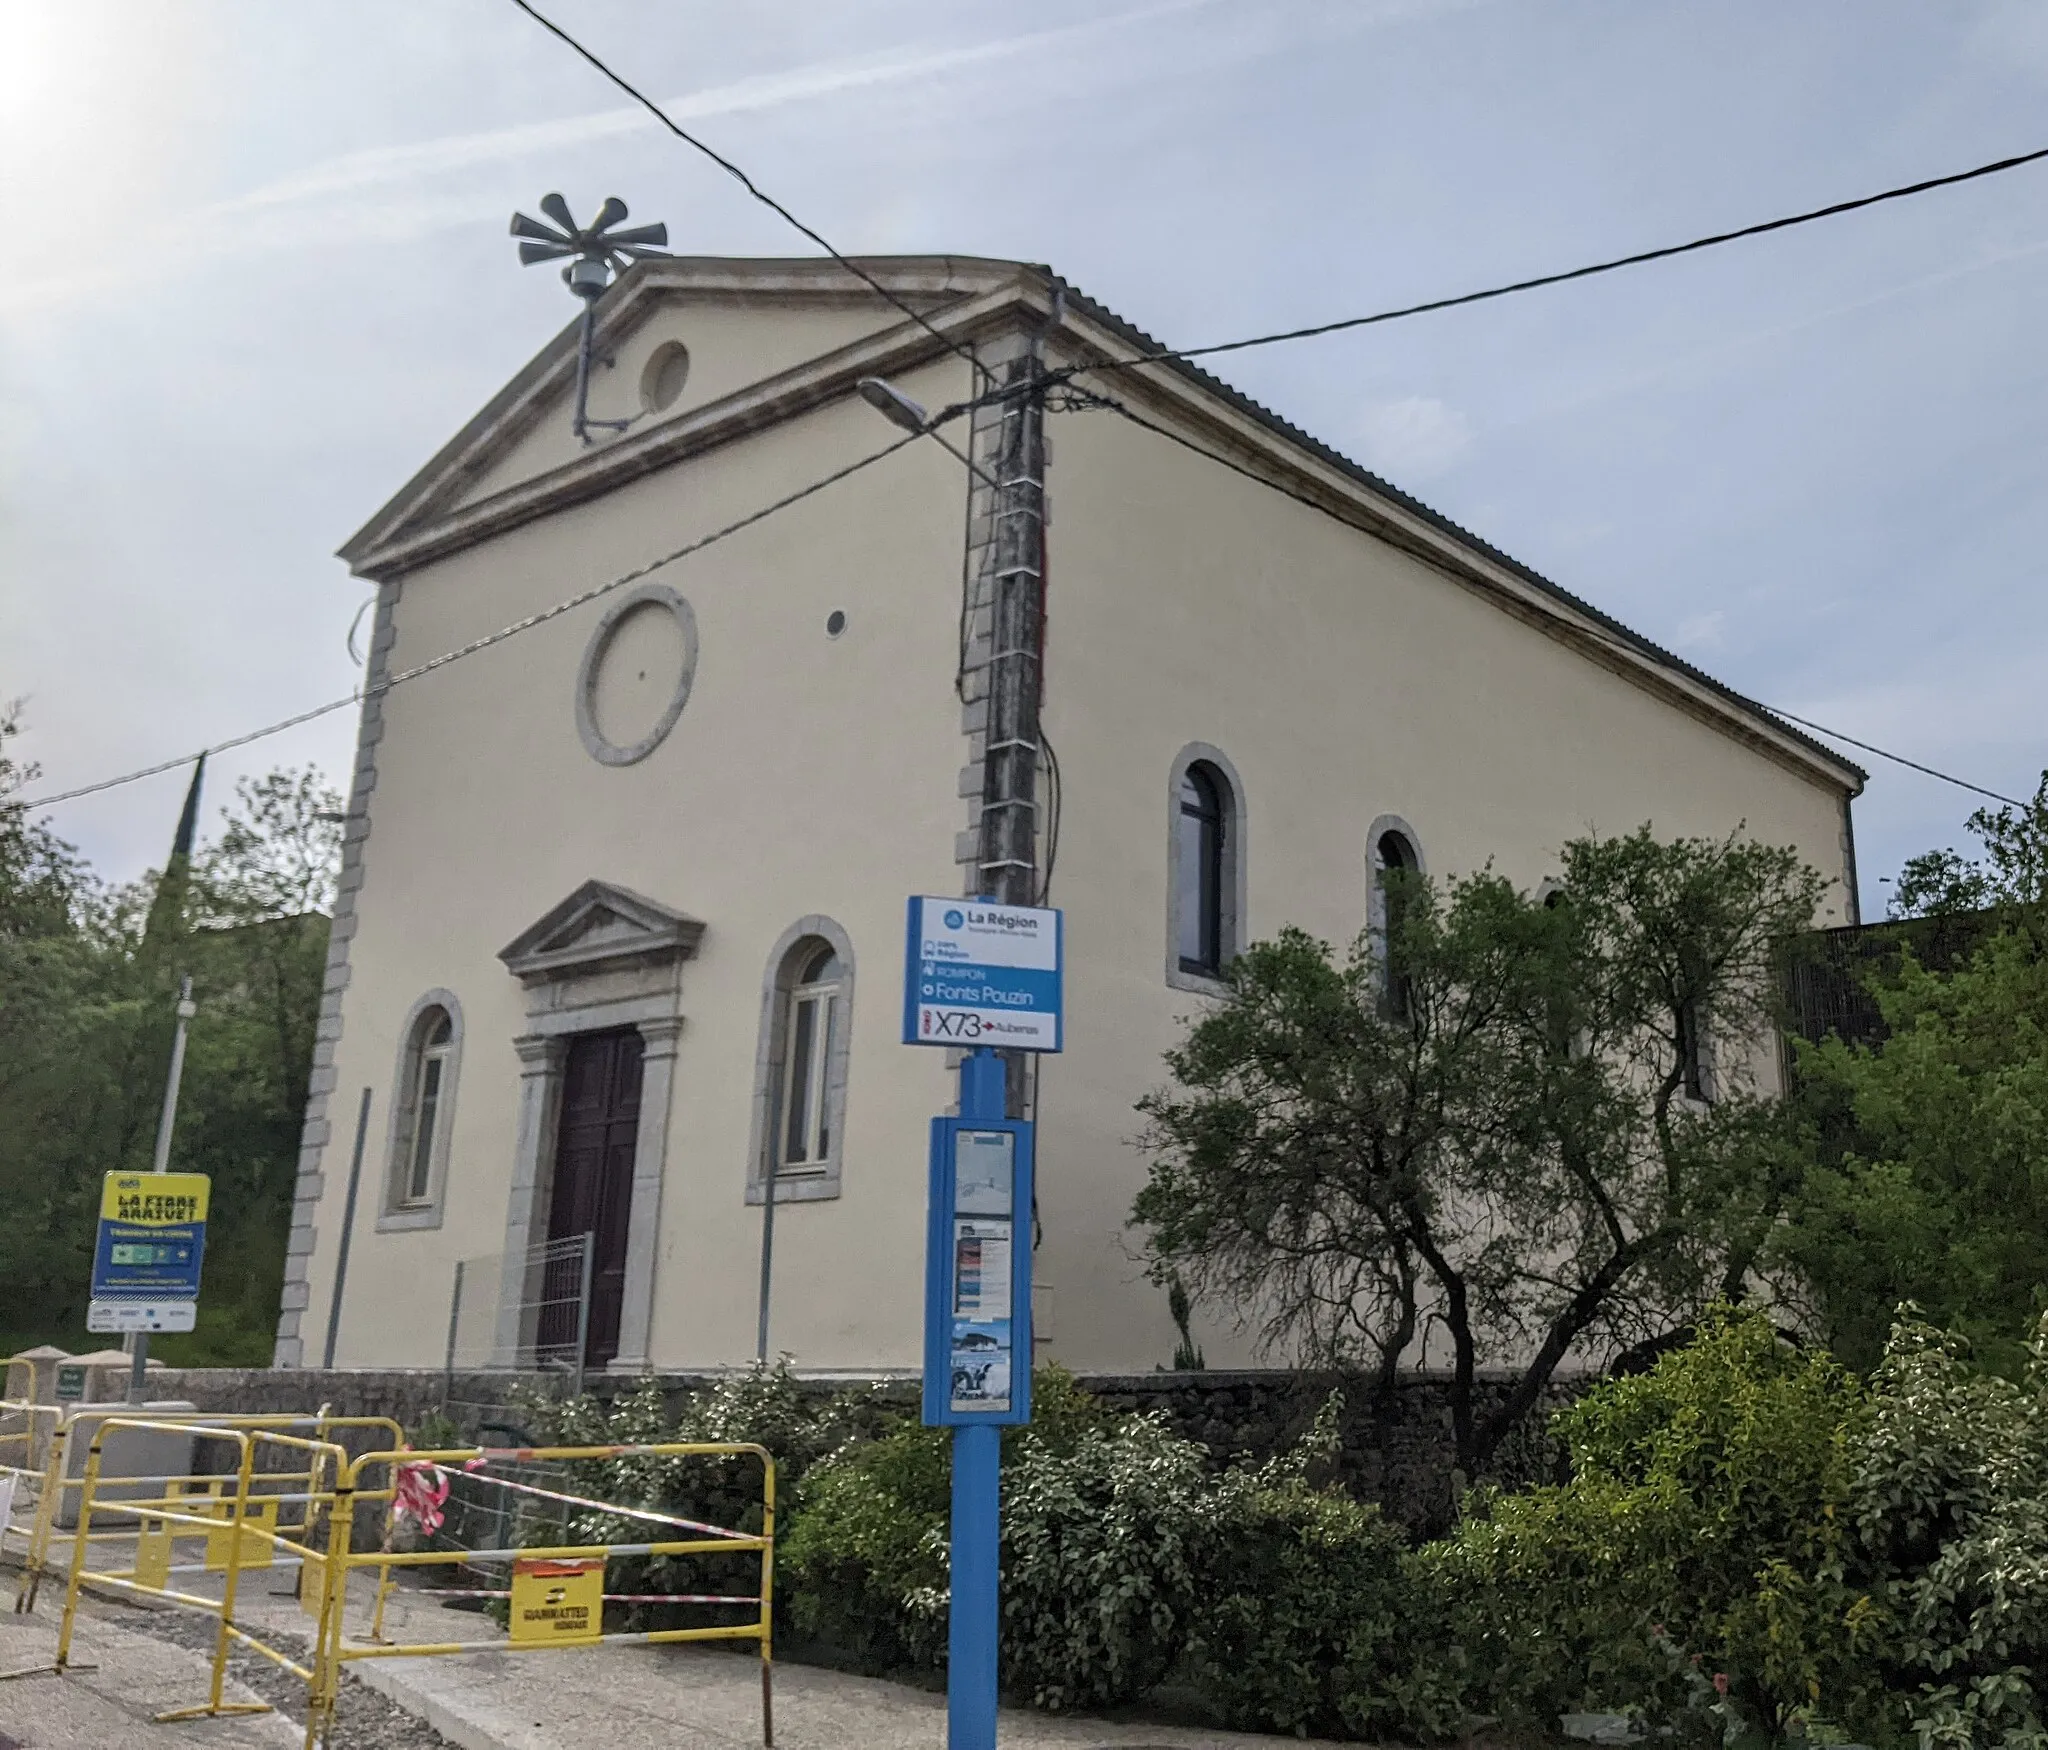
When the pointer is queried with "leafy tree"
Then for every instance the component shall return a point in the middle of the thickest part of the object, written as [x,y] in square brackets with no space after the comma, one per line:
[1507,1164]
[88,979]
[1931,1176]
[260,894]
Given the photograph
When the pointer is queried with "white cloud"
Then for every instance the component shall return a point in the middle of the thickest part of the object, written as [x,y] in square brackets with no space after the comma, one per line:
[1413,438]
[352,172]
[320,205]
[1703,631]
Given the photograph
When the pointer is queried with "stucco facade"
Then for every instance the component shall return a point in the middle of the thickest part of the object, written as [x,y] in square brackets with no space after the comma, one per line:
[1346,661]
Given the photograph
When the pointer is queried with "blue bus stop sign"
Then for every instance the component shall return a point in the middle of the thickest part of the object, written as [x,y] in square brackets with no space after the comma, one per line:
[980,974]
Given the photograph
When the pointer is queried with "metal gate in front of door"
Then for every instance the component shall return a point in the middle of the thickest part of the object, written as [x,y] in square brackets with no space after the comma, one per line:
[527,1313]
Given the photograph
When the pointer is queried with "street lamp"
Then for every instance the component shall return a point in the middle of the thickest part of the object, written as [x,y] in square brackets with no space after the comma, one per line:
[893,405]
[900,410]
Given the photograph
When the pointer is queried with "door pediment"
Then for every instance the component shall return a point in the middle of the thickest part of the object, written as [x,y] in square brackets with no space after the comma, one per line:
[601,927]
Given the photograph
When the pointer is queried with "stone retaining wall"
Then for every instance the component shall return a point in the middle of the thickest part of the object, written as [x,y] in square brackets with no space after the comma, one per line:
[1397,1448]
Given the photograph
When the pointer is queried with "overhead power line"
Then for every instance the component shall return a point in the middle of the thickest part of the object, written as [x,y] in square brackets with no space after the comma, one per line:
[1896,758]
[742,178]
[1054,378]
[487,640]
[1165,355]
[1168,354]
[1641,651]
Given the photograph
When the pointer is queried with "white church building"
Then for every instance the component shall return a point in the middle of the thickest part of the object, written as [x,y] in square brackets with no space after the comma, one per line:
[621,913]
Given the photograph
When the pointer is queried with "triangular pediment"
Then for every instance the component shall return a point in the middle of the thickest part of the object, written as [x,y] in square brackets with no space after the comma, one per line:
[765,340]
[599,927]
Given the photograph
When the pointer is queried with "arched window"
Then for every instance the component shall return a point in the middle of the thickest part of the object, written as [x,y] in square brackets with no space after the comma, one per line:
[805,1136]
[1202,826]
[1693,1055]
[423,1107]
[801,1068]
[1564,1041]
[1396,862]
[1205,861]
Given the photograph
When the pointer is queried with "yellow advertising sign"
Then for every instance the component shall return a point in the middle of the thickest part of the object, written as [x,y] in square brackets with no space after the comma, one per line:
[154,1199]
[558,1603]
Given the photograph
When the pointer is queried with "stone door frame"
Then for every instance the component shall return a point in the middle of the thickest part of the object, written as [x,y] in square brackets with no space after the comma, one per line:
[603,958]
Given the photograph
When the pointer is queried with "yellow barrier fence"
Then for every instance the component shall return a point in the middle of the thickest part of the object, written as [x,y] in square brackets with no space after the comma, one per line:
[237,1517]
[55,1486]
[259,1515]
[27,1431]
[555,1594]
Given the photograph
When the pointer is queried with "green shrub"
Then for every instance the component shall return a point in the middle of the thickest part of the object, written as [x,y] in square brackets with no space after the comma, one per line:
[1103,1548]
[866,1552]
[864,1559]
[1307,1621]
[1694,1568]
[763,1406]
[1950,1503]
[1751,1548]
[1102,1527]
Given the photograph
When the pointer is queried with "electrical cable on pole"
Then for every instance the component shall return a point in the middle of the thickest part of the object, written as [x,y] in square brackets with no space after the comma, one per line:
[488,639]
[1169,355]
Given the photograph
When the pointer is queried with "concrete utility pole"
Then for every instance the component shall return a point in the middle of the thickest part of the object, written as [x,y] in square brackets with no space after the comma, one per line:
[990,1091]
[1011,472]
[166,1122]
[1009,795]
[1009,786]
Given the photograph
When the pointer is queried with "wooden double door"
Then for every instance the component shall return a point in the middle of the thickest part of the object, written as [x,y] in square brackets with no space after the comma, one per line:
[596,1137]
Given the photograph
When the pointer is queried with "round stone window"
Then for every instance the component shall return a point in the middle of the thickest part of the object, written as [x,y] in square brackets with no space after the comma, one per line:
[635,675]
[662,378]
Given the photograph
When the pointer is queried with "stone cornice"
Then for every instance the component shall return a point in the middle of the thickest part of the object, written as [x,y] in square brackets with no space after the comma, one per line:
[967,300]
[418,526]
[559,945]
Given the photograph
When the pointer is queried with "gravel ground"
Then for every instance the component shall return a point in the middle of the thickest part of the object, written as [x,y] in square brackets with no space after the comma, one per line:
[363,1719]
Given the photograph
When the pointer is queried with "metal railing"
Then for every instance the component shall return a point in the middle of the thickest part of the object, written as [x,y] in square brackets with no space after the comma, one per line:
[524,1312]
[28,1431]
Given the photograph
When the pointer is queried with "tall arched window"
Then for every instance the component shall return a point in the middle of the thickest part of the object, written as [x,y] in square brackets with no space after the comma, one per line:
[800,1071]
[804,1134]
[1396,862]
[1203,823]
[1695,1080]
[424,1108]
[1205,885]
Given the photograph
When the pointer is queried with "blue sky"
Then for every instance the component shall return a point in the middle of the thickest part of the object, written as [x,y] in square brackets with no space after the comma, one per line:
[259,272]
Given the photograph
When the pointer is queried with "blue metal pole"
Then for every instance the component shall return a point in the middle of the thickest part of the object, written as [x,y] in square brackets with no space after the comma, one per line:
[977,1491]
[971,1629]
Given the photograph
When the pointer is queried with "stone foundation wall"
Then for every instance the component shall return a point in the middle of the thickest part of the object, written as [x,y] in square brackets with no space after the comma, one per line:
[1397,1448]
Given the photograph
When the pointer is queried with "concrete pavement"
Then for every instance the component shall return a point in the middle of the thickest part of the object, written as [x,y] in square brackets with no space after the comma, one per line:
[679,1697]
[112,1708]
[694,1698]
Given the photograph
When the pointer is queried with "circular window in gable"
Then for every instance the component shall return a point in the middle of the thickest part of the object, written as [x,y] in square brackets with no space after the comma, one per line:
[635,675]
[662,378]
